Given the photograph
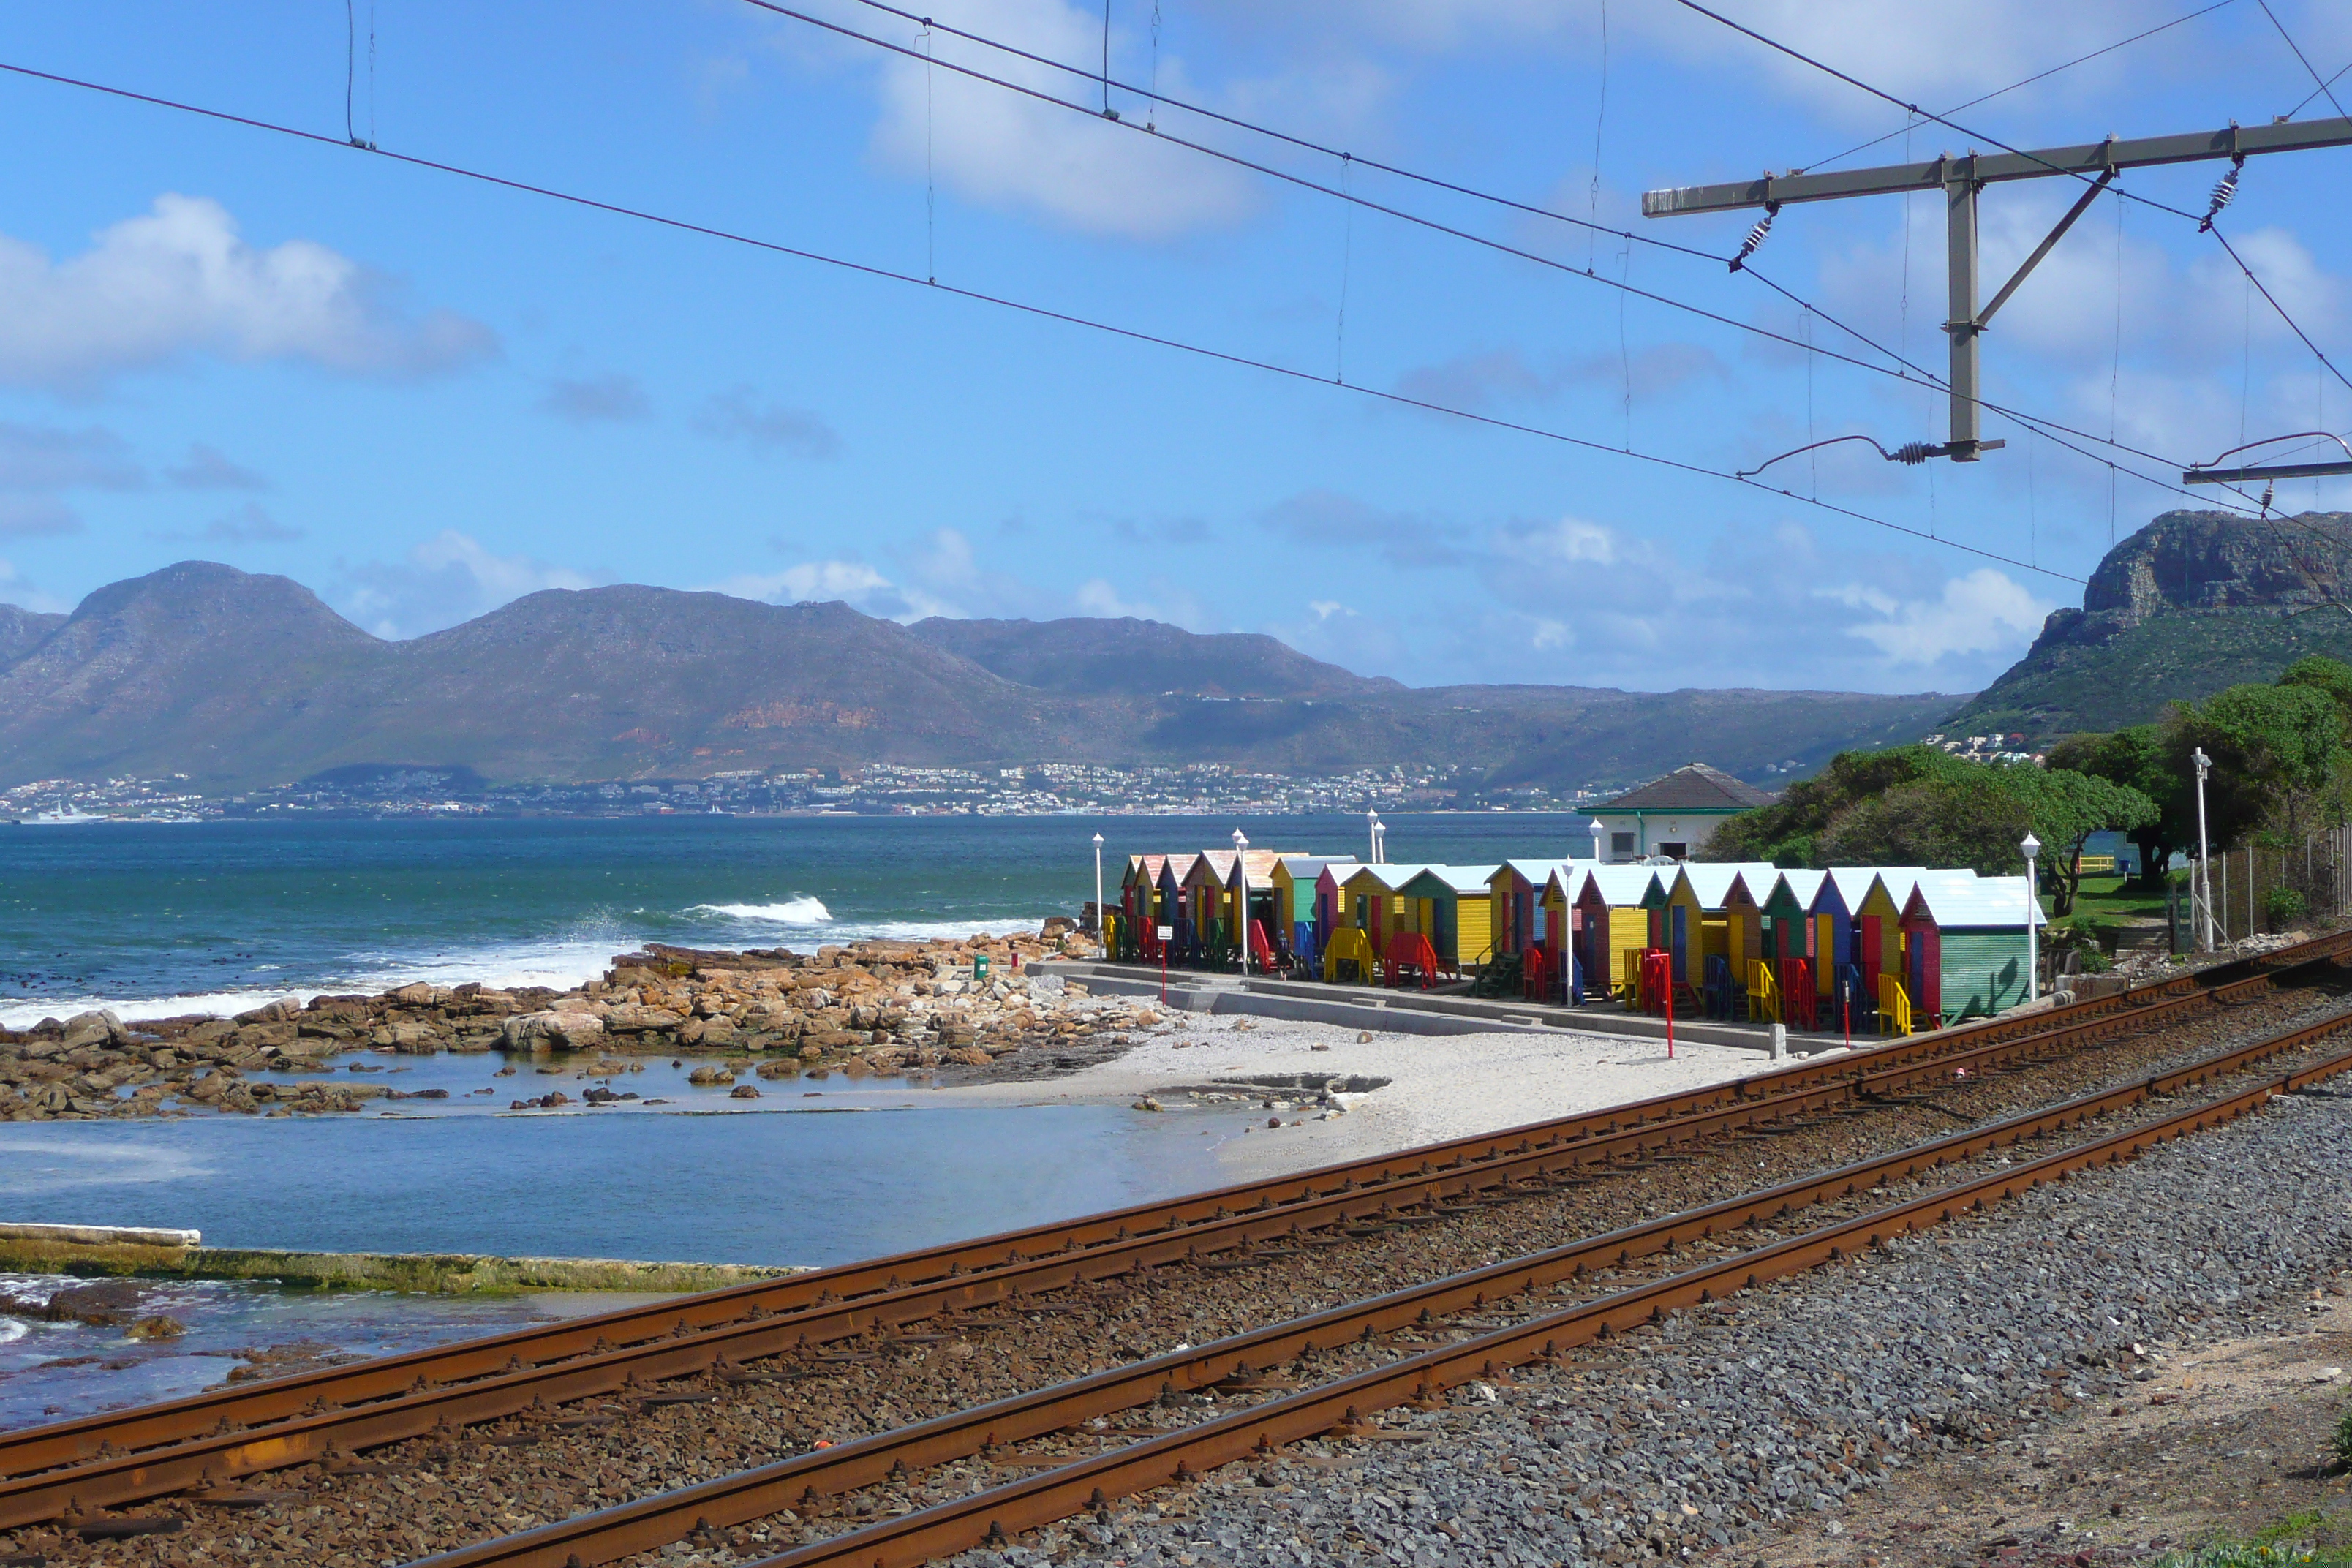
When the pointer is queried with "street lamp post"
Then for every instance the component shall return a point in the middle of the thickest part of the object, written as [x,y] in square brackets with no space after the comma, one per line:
[2032,847]
[2204,854]
[1372,824]
[1102,933]
[1594,827]
[1241,904]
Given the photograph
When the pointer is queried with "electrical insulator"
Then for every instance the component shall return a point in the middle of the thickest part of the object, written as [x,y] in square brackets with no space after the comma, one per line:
[1914,452]
[1757,235]
[2225,191]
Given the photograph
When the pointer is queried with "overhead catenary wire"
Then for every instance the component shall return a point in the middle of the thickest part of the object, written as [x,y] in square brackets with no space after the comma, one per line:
[1020,307]
[2205,223]
[2301,58]
[2038,424]
[2027,81]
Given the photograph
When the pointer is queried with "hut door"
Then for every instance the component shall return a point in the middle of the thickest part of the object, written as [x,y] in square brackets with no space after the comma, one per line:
[1680,913]
[1870,947]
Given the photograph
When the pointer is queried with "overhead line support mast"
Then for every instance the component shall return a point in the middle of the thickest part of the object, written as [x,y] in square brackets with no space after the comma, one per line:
[1960,179]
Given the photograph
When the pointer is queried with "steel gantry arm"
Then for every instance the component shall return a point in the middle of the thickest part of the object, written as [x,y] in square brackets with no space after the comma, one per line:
[1960,179]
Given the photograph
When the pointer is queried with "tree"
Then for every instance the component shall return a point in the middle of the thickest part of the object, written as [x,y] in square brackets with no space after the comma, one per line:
[1930,822]
[2065,807]
[1786,832]
[1916,805]
[2136,759]
[2275,751]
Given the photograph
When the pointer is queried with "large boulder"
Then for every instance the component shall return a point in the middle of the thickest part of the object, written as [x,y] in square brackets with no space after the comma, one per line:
[635,1018]
[551,1030]
[90,1029]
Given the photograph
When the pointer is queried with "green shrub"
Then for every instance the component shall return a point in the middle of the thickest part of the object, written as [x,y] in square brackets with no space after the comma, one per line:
[2234,1556]
[2343,1441]
[2284,907]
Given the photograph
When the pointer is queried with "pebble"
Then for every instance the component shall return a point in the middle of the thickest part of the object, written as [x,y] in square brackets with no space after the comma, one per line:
[1695,1436]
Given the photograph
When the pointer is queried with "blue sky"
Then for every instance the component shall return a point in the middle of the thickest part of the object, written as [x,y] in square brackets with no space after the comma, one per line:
[423,396]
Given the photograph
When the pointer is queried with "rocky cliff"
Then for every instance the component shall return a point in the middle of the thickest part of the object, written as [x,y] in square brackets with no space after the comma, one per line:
[2192,603]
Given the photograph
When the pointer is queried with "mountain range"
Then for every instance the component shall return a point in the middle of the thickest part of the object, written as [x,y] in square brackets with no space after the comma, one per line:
[238,681]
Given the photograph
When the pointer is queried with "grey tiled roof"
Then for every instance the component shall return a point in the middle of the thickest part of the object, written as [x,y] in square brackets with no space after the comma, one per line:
[1696,787]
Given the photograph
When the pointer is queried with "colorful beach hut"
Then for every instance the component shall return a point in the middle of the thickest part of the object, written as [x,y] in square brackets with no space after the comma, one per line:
[1173,911]
[1709,912]
[1878,944]
[1786,937]
[1373,899]
[1266,910]
[1614,905]
[1453,907]
[1965,944]
[1137,887]
[1517,908]
[1695,904]
[1294,881]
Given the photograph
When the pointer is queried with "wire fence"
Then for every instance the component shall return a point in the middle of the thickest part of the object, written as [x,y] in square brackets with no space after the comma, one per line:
[2263,890]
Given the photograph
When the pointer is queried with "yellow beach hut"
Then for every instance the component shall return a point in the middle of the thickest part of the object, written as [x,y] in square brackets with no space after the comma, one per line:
[1517,912]
[1614,903]
[1453,906]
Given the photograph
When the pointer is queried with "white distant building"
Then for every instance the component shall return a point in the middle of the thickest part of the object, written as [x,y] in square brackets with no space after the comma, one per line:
[1673,816]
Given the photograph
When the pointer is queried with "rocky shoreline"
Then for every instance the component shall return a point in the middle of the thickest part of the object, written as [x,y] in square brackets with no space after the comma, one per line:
[967,1010]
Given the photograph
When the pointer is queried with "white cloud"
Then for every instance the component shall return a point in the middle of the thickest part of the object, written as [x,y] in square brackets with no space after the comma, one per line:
[449,578]
[17,589]
[1770,607]
[590,399]
[1002,150]
[208,469]
[1983,611]
[740,414]
[853,582]
[39,462]
[1937,50]
[179,280]
[248,524]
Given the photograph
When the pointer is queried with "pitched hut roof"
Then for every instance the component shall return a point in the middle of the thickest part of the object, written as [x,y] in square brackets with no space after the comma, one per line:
[1711,881]
[1804,887]
[1459,880]
[1695,787]
[1964,901]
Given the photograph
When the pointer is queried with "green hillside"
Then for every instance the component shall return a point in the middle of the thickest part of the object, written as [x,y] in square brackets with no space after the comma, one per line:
[2192,604]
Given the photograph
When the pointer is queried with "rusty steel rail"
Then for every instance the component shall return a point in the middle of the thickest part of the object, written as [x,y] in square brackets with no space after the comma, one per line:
[123,1456]
[326,1429]
[1085,1484]
[649,1523]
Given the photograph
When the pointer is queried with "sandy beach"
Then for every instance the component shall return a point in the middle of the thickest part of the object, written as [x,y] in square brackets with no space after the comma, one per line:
[1440,1086]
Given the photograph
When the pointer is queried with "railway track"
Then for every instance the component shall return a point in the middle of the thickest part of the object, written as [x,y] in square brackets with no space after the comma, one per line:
[809,1481]
[106,1461]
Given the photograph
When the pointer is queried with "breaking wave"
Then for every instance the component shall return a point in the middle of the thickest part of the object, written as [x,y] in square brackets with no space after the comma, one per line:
[801,910]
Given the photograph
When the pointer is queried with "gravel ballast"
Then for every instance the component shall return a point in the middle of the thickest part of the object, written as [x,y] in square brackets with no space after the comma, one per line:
[1789,1399]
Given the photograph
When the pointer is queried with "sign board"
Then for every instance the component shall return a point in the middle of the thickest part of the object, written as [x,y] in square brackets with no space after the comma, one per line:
[1168,933]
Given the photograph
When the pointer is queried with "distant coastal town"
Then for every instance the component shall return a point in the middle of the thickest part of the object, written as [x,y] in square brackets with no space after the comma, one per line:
[875,789]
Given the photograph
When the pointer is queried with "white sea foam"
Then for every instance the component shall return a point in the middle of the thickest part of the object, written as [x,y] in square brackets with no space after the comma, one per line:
[37,1163]
[18,1013]
[800,910]
[11,1331]
[558,963]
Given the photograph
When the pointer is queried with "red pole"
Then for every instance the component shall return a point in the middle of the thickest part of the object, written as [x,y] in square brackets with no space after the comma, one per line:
[1670,1011]
[1163,974]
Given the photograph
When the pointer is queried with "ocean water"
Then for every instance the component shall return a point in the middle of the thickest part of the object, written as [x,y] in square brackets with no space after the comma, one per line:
[155,919]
